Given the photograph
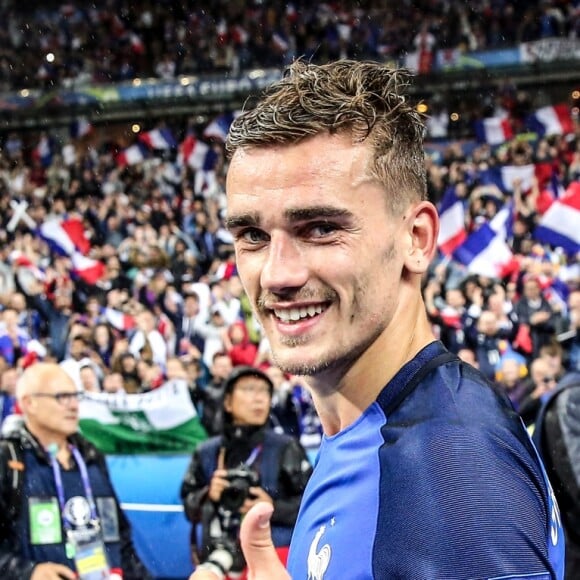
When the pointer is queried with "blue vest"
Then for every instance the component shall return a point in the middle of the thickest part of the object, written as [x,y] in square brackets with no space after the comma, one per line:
[39,483]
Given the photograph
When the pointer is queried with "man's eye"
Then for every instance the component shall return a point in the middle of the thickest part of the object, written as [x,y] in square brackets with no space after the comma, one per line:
[252,236]
[322,229]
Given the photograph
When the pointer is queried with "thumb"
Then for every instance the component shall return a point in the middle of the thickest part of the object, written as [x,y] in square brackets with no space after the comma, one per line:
[256,539]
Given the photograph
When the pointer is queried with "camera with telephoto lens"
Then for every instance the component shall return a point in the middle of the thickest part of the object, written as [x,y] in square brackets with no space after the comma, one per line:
[224,555]
[234,496]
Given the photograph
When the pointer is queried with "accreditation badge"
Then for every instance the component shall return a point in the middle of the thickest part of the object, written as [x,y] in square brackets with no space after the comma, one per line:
[44,521]
[84,541]
[88,553]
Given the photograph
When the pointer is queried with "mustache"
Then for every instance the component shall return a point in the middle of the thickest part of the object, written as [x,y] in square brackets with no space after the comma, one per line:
[301,295]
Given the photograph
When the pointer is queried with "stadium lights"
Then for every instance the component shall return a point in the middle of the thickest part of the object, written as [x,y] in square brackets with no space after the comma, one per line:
[257,74]
[454,117]
[49,57]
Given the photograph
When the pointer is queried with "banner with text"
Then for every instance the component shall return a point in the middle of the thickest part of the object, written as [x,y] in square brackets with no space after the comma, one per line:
[163,420]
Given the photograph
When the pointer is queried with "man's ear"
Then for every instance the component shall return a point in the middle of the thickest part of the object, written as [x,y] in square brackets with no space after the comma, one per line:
[228,403]
[423,230]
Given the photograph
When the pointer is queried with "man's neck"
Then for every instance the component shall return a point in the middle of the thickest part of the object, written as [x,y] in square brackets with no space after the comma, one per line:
[49,439]
[340,401]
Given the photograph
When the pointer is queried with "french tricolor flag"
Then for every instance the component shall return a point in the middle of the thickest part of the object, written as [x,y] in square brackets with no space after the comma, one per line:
[43,151]
[91,271]
[560,225]
[555,120]
[505,176]
[452,219]
[196,154]
[158,139]
[486,252]
[80,128]
[219,127]
[132,155]
[494,130]
[65,237]
[119,320]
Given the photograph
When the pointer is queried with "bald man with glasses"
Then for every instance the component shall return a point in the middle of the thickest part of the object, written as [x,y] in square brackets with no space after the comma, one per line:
[59,514]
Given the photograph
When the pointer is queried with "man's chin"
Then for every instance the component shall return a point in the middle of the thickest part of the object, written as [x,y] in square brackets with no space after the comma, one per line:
[300,365]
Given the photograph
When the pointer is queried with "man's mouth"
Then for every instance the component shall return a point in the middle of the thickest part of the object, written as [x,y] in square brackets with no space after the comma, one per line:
[297,314]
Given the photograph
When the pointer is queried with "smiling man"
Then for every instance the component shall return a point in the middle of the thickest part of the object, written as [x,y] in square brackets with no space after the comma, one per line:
[424,471]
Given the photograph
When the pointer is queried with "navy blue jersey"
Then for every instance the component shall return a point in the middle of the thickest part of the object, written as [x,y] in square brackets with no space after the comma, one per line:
[443,484]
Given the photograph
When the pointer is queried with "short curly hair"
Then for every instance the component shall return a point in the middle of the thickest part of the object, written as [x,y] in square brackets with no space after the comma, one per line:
[364,99]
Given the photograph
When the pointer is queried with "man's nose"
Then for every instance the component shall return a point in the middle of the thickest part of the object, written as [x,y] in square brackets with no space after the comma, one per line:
[286,264]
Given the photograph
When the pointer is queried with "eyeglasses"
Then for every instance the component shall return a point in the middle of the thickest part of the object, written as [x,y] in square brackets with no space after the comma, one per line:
[254,389]
[64,398]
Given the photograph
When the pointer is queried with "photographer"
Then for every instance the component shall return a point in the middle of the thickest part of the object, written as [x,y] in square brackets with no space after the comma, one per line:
[231,472]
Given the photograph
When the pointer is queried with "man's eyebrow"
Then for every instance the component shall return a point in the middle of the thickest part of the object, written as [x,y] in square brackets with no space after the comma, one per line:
[315,212]
[242,220]
[291,215]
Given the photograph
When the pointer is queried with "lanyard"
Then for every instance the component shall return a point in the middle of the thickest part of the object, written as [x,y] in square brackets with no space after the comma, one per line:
[84,477]
[253,456]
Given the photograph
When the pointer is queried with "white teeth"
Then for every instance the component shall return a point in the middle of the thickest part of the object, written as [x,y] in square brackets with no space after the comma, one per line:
[294,314]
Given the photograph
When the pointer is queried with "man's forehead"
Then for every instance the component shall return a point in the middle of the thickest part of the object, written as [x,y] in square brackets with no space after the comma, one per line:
[251,380]
[55,382]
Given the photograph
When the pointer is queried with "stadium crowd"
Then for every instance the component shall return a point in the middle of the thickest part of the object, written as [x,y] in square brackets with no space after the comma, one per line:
[120,268]
[149,290]
[59,44]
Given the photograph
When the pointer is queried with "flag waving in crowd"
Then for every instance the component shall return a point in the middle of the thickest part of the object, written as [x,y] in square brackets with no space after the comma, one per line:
[163,420]
[560,225]
[67,238]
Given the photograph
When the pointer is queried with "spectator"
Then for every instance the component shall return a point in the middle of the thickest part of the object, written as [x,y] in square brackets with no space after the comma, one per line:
[29,319]
[553,354]
[487,344]
[212,331]
[48,444]
[511,375]
[449,315]
[468,355]
[571,338]
[8,380]
[88,376]
[147,342]
[126,365]
[103,343]
[13,339]
[113,383]
[211,411]
[175,369]
[535,317]
[192,317]
[556,436]
[237,344]
[542,382]
[274,466]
